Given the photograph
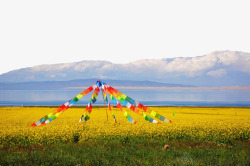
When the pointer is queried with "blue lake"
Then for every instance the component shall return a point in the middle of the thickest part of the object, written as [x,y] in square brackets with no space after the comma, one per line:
[159,97]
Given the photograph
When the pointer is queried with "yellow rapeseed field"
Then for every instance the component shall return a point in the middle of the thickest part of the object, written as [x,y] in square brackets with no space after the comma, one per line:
[223,125]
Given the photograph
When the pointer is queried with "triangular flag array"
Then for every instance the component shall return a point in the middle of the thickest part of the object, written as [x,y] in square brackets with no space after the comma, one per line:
[117,98]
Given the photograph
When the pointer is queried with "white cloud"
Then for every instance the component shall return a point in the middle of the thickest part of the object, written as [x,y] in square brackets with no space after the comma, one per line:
[184,66]
[190,67]
[195,66]
[228,58]
[56,67]
[217,73]
[89,65]
[238,60]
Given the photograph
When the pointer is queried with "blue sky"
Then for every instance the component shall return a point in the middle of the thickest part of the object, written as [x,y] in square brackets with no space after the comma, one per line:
[47,32]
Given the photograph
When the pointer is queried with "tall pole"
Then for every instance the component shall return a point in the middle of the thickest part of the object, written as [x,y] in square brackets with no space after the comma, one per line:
[104,100]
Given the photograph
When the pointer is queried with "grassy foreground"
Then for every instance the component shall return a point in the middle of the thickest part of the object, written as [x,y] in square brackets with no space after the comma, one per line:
[198,136]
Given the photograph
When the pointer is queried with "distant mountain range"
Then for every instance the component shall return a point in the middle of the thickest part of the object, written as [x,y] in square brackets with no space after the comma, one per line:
[221,68]
[81,84]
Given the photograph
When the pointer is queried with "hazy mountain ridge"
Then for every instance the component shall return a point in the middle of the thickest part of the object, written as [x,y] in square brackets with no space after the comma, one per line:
[81,83]
[221,68]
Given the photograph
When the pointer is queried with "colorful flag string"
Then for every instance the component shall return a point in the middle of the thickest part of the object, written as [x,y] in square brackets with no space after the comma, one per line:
[133,105]
[118,105]
[88,109]
[55,113]
[107,101]
[116,97]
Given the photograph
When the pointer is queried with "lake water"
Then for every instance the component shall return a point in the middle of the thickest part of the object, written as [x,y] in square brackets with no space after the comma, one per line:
[159,97]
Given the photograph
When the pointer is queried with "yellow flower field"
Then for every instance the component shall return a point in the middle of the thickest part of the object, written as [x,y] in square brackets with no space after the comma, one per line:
[221,125]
